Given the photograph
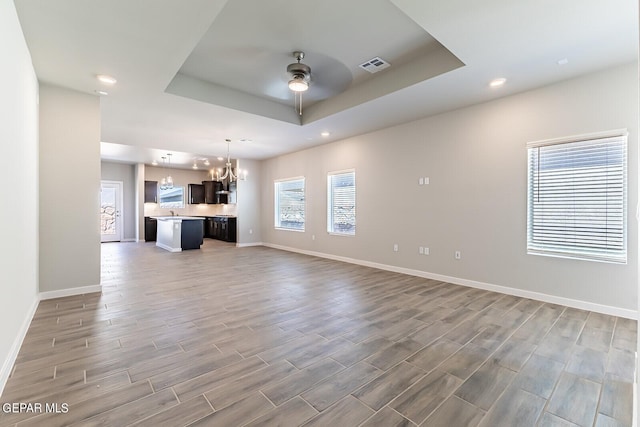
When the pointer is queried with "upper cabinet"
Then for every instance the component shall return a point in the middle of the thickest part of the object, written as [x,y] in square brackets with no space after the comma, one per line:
[151,191]
[196,193]
[211,189]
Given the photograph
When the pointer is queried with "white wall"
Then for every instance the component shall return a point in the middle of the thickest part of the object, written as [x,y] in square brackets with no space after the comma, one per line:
[126,174]
[475,158]
[19,174]
[69,189]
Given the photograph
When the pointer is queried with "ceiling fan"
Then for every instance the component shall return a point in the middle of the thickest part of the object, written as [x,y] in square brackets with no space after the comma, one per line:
[300,74]
[300,79]
[330,78]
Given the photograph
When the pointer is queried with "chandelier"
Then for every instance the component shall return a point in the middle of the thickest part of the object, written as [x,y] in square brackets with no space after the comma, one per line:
[229,171]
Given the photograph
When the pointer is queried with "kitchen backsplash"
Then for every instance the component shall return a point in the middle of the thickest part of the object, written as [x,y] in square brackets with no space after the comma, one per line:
[153,209]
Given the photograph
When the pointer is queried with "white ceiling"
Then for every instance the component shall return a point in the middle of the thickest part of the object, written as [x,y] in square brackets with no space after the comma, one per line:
[179,63]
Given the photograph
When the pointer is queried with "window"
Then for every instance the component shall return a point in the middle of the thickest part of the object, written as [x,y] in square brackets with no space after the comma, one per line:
[341,202]
[171,197]
[289,204]
[577,197]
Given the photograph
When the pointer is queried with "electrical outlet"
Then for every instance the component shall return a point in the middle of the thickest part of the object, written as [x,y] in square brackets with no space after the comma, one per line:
[251,231]
[313,237]
[421,181]
[457,255]
[426,180]
[395,247]
[426,251]
[421,250]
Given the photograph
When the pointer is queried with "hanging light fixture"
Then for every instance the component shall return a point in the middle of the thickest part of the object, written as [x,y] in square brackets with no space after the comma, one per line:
[166,183]
[300,79]
[229,172]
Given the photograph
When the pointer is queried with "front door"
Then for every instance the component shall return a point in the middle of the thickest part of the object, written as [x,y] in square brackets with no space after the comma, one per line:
[110,211]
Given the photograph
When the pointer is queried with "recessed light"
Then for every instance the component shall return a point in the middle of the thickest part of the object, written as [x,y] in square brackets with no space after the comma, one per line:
[101,92]
[154,163]
[195,166]
[206,162]
[106,79]
[497,82]
[220,158]
[563,61]
[325,133]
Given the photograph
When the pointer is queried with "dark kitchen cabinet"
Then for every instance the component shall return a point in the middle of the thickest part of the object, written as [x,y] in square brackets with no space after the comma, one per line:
[220,228]
[223,228]
[151,191]
[211,189]
[196,194]
[231,230]
[150,229]
[209,227]
[192,233]
[216,233]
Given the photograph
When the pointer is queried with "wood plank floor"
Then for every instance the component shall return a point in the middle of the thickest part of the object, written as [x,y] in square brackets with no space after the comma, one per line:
[227,336]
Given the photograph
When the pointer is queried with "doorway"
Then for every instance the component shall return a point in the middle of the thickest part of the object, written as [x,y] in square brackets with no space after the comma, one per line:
[110,211]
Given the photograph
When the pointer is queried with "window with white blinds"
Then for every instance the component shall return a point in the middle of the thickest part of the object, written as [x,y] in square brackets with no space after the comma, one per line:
[341,202]
[289,204]
[577,197]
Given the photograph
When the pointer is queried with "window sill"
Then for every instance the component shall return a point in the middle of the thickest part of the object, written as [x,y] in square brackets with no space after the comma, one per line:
[333,233]
[577,257]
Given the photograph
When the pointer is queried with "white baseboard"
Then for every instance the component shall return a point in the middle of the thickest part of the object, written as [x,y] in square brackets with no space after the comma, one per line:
[129,240]
[168,248]
[7,366]
[70,292]
[246,245]
[8,363]
[553,299]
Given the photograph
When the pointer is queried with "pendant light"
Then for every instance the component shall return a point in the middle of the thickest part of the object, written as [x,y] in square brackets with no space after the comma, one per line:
[166,183]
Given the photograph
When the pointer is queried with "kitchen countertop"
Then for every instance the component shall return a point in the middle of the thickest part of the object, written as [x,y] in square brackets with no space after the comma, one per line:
[181,218]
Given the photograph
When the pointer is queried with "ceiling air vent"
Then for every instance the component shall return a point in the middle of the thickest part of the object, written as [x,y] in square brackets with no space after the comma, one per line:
[374,65]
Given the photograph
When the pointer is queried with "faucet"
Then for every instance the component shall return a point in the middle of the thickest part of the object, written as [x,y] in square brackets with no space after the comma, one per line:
[172,213]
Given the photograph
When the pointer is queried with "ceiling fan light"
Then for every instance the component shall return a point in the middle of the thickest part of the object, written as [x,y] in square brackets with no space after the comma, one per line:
[297,84]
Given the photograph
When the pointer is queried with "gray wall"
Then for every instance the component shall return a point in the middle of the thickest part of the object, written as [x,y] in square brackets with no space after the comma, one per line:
[249,202]
[476,202]
[126,174]
[19,173]
[69,189]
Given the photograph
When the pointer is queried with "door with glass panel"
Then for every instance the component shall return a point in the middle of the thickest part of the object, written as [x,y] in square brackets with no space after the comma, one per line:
[111,211]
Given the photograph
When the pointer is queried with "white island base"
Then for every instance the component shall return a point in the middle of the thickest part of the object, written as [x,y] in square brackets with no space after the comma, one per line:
[176,233]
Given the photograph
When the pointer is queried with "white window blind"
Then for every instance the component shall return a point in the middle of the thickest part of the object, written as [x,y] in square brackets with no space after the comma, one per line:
[341,202]
[289,204]
[577,191]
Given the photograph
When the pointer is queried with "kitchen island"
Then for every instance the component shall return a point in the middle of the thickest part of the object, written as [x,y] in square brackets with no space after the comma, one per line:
[178,233]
